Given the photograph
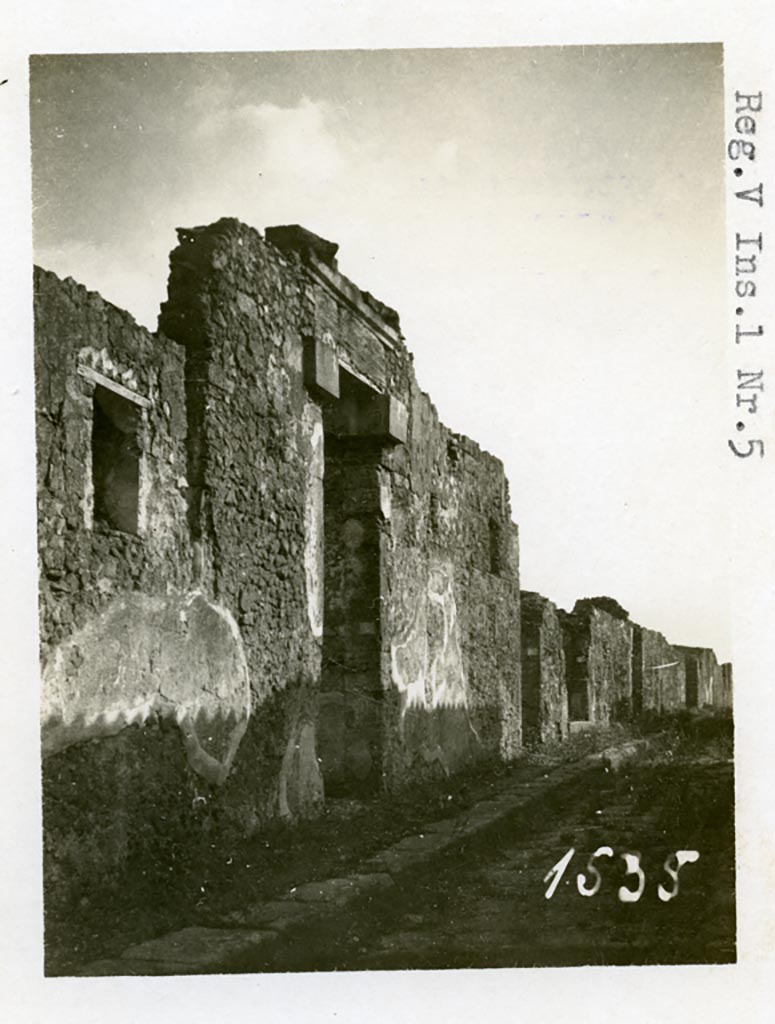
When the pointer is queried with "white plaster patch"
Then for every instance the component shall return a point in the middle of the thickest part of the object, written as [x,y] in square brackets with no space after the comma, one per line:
[313,519]
[385,497]
[178,657]
[426,660]
[99,359]
[300,789]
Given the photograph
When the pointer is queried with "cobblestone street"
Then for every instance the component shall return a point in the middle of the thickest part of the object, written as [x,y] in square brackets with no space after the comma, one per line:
[485,906]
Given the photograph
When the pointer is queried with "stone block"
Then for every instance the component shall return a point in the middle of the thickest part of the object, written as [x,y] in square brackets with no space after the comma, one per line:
[412,852]
[397,417]
[204,949]
[371,415]
[341,892]
[275,915]
[321,368]
[384,417]
[294,238]
[614,758]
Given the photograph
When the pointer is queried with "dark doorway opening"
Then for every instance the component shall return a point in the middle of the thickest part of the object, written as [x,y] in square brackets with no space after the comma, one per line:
[692,683]
[351,700]
[637,671]
[577,677]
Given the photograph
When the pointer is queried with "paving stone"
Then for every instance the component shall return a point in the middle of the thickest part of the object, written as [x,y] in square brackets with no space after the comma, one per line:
[480,817]
[276,915]
[425,842]
[510,801]
[447,827]
[340,892]
[616,758]
[424,845]
[491,910]
[442,835]
[398,859]
[202,948]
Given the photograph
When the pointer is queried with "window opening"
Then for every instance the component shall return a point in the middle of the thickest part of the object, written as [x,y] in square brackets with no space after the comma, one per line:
[116,460]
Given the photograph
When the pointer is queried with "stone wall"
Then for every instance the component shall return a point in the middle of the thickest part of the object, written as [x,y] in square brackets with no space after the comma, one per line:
[451,580]
[145,692]
[254,465]
[658,673]
[418,661]
[263,559]
[267,568]
[722,696]
[598,639]
[703,676]
[544,689]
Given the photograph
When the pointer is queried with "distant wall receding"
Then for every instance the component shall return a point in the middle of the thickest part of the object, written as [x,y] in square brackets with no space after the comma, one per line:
[544,687]
[598,653]
[704,680]
[659,673]
[722,695]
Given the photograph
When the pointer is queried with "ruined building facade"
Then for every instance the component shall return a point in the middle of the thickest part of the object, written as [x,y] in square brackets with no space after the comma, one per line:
[267,570]
[266,566]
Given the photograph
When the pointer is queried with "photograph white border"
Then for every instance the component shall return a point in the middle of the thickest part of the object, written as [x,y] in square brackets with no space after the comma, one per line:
[684,994]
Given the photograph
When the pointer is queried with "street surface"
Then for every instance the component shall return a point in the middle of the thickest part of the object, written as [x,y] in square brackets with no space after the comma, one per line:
[486,905]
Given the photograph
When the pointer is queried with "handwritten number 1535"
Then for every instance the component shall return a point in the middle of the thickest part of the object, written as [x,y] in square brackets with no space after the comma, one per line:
[588,883]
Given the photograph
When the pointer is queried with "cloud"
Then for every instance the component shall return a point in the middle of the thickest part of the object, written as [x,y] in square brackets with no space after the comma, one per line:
[279,144]
[262,163]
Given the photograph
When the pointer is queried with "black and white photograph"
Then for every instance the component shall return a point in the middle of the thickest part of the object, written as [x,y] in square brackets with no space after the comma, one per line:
[393,412]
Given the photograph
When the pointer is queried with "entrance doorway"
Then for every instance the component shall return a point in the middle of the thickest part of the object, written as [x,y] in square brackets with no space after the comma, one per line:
[351,698]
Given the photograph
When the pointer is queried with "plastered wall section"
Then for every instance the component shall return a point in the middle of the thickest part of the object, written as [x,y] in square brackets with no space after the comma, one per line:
[704,678]
[448,563]
[451,608]
[255,468]
[449,571]
[598,649]
[544,690]
[658,673]
[448,628]
[722,697]
[144,684]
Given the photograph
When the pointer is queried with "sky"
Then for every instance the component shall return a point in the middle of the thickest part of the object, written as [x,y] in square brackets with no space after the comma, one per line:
[549,223]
